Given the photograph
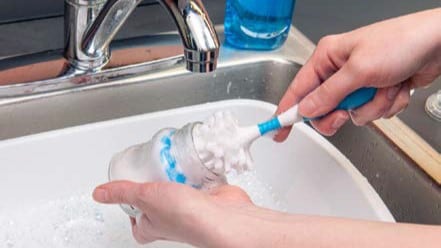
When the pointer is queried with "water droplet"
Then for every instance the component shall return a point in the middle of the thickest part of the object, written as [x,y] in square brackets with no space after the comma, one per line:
[229,87]
[99,216]
[9,243]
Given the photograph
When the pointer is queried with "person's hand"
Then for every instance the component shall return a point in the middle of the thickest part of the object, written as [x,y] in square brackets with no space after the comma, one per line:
[226,218]
[394,56]
[172,211]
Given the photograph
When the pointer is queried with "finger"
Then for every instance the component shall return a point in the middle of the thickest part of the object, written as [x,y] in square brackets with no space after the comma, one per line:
[142,230]
[230,193]
[140,195]
[375,109]
[327,59]
[117,192]
[330,124]
[400,103]
[305,81]
[421,80]
[330,93]
[282,134]
[317,69]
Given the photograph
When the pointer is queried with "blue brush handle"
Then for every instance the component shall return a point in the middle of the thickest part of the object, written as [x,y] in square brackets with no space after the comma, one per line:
[357,98]
[354,100]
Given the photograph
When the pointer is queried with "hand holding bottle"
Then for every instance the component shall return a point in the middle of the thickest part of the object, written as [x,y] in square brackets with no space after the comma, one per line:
[225,217]
[175,212]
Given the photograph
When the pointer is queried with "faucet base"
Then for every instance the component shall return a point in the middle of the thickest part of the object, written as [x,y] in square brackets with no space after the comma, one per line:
[92,24]
[79,14]
[86,66]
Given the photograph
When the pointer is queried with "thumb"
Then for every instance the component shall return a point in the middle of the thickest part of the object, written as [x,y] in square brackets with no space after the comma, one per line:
[117,192]
[230,193]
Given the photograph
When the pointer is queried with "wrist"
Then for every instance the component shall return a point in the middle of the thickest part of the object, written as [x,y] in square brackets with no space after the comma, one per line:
[250,226]
[226,227]
[200,229]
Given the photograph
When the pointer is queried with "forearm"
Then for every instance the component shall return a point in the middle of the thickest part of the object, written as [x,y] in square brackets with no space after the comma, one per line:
[340,233]
[430,31]
[265,228]
[436,13]
[419,33]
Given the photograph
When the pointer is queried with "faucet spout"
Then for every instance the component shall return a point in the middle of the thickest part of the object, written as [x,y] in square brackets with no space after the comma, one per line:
[201,43]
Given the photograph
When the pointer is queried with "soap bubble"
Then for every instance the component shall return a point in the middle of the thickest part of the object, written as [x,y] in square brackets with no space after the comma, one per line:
[77,221]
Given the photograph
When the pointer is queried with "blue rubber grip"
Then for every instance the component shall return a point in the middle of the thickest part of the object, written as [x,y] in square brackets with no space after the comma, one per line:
[354,100]
[357,98]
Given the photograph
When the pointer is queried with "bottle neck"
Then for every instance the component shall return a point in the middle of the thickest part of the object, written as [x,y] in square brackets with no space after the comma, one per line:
[195,172]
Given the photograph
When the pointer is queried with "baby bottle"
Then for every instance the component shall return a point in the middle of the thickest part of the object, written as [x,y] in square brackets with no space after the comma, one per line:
[259,25]
[169,156]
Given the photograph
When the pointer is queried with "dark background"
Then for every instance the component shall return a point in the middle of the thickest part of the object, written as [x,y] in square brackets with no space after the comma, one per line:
[36,25]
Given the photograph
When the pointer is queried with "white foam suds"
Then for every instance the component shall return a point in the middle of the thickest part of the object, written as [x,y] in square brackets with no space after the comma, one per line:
[260,193]
[73,222]
[78,221]
[222,145]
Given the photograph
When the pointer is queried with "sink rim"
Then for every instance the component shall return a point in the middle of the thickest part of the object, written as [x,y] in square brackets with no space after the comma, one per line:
[296,49]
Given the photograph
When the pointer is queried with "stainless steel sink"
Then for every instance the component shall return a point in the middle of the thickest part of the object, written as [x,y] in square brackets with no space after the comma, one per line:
[58,103]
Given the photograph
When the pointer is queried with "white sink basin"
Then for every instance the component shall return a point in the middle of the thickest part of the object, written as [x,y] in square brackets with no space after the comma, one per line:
[47,179]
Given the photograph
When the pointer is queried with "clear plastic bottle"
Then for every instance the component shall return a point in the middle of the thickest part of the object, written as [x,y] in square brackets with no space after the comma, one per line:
[259,25]
[169,156]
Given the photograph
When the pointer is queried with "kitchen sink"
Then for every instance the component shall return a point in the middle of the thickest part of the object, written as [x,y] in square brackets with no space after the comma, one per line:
[57,136]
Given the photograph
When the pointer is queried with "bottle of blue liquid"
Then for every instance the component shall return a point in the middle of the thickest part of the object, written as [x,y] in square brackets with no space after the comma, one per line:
[257,24]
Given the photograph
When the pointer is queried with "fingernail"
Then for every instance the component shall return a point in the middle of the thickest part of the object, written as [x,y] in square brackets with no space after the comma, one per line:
[392,92]
[353,114]
[339,122]
[356,118]
[101,195]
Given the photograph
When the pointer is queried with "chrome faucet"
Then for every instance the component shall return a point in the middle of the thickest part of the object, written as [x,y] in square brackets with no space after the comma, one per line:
[90,26]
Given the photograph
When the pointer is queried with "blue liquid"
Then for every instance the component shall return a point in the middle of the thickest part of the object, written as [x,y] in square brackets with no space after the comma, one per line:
[260,25]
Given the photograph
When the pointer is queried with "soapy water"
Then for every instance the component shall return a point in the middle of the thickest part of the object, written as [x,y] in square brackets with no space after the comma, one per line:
[78,221]
[73,222]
